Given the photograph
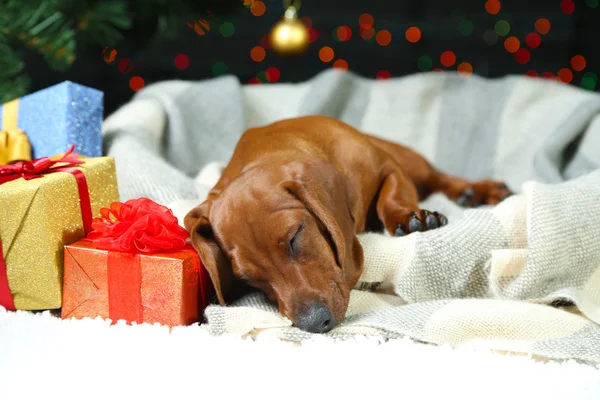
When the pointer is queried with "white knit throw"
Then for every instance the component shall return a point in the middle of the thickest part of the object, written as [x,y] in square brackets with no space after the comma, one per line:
[489,277]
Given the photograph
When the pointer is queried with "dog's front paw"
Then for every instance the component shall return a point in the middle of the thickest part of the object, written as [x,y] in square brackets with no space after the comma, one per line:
[486,192]
[420,221]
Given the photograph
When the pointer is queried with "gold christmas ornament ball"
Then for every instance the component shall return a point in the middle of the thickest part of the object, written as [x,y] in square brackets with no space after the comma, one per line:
[289,37]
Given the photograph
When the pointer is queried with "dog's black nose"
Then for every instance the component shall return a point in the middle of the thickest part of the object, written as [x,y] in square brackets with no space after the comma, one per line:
[315,318]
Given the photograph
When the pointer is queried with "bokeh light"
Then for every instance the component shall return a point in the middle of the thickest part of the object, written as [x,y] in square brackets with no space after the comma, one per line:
[493,6]
[502,27]
[533,40]
[578,63]
[548,75]
[366,21]
[313,35]
[326,54]
[424,63]
[136,83]
[448,58]
[565,75]
[258,8]
[490,37]
[219,68]
[125,65]
[592,3]
[589,81]
[181,61]
[567,6]
[343,33]
[340,64]
[202,27]
[512,44]
[466,27]
[258,53]
[413,34]
[109,55]
[367,33]
[383,74]
[265,41]
[522,56]
[542,25]
[227,29]
[306,21]
[464,69]
[384,37]
[272,74]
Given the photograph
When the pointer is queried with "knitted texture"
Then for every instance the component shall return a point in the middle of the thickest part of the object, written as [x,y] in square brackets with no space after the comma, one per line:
[489,277]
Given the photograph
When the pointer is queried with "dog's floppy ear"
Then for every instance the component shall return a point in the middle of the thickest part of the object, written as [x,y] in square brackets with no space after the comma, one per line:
[203,239]
[328,194]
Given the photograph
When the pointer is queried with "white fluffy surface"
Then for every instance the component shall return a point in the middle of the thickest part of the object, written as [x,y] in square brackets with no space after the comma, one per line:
[44,357]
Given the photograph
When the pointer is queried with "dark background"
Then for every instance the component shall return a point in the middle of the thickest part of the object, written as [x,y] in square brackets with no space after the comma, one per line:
[440,22]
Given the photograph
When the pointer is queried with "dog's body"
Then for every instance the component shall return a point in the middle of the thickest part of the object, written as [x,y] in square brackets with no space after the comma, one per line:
[286,211]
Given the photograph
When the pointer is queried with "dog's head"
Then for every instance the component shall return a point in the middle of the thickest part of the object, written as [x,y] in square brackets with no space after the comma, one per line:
[287,230]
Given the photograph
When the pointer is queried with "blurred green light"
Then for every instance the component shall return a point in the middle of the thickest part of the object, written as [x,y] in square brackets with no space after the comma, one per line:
[424,63]
[588,83]
[219,68]
[591,3]
[334,34]
[466,27]
[502,27]
[227,29]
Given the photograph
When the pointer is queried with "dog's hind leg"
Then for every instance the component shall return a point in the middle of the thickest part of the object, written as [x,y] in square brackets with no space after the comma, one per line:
[466,193]
[429,180]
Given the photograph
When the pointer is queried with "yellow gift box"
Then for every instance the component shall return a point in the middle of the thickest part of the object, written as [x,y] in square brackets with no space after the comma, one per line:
[14,145]
[38,217]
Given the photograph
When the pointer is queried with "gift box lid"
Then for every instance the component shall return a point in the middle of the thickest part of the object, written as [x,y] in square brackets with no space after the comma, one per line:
[62,114]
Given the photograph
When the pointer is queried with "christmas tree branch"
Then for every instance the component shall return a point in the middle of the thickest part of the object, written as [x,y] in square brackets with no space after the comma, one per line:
[55,28]
[13,83]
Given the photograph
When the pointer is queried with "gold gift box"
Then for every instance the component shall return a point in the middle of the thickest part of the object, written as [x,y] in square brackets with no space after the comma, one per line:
[37,218]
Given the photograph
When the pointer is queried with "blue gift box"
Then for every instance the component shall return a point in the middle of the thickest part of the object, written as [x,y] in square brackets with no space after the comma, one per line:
[56,117]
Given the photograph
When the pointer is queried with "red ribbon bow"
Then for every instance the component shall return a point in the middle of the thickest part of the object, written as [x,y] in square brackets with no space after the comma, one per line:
[36,168]
[139,226]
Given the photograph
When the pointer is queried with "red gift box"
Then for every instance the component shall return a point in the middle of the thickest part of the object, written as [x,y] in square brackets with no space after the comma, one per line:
[139,268]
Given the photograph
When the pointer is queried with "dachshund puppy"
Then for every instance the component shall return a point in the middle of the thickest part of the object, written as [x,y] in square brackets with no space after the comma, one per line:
[285,214]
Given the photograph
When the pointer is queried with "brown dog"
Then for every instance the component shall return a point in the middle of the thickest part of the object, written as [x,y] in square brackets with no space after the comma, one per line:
[285,214]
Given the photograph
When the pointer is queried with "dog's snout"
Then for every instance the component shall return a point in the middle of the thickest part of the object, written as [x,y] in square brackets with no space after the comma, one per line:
[315,318]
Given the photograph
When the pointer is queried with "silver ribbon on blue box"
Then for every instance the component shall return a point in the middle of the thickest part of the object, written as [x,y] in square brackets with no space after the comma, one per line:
[56,117]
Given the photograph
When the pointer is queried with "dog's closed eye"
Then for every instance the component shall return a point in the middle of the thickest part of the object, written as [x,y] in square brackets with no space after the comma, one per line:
[293,243]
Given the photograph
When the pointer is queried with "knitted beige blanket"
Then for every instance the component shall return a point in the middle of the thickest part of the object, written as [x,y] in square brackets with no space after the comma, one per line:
[487,279]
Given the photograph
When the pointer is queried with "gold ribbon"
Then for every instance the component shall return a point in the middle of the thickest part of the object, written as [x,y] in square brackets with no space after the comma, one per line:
[14,145]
